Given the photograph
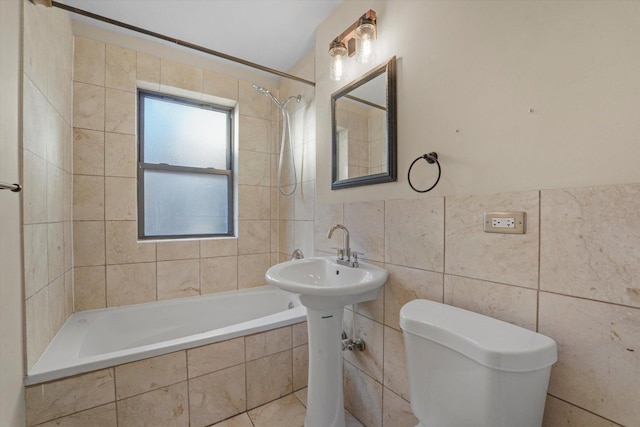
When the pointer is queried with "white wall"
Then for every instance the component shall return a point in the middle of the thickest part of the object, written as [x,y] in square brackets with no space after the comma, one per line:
[468,74]
[11,316]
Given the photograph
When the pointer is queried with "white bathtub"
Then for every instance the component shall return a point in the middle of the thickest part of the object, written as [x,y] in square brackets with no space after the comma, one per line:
[97,339]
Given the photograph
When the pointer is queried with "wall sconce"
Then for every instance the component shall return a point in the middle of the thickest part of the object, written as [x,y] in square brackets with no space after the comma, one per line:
[358,40]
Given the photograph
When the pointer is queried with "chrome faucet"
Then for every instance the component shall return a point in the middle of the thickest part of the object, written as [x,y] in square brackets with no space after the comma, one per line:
[344,254]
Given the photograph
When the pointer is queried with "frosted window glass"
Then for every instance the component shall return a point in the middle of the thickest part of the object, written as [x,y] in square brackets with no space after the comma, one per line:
[181,203]
[184,135]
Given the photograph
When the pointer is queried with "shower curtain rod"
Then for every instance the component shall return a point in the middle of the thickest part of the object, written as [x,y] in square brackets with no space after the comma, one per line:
[173,40]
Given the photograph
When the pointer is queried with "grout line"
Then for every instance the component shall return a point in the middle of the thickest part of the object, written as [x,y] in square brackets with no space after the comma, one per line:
[539,259]
[586,410]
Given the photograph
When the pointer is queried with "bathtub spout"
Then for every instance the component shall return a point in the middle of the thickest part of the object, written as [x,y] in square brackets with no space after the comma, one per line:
[296,254]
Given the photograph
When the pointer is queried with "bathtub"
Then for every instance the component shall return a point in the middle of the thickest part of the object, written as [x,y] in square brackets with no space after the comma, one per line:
[97,339]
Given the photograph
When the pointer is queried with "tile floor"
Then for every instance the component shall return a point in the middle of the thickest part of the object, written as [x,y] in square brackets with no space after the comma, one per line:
[288,411]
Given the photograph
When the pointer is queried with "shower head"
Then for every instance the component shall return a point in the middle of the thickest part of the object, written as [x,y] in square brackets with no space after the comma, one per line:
[261,90]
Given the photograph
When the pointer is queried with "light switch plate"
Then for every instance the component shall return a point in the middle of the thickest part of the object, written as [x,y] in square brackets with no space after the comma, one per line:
[505,222]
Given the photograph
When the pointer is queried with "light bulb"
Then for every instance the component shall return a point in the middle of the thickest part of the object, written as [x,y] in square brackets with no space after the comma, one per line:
[337,50]
[365,39]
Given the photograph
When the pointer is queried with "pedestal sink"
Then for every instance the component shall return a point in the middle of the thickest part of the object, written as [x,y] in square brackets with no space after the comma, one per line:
[325,287]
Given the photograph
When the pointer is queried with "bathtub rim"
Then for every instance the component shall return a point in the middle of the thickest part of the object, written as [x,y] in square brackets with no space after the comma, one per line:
[42,374]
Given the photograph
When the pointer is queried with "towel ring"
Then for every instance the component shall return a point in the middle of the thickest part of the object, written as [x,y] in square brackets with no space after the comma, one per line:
[430,158]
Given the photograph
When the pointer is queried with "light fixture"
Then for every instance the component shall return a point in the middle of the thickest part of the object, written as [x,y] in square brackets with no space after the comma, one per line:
[356,40]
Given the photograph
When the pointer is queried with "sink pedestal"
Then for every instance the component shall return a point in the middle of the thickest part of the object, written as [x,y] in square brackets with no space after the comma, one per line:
[325,403]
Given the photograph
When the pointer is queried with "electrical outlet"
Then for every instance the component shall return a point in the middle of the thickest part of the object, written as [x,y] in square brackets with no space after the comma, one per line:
[504,222]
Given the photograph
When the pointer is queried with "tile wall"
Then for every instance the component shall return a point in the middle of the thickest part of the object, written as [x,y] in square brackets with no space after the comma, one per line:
[573,276]
[196,387]
[47,174]
[111,267]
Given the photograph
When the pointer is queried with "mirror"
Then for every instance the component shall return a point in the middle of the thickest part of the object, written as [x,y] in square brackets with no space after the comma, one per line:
[363,129]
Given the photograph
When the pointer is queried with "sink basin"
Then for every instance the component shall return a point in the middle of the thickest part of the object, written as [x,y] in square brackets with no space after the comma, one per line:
[323,283]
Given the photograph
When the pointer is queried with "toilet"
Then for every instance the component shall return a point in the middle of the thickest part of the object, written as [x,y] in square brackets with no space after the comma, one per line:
[470,370]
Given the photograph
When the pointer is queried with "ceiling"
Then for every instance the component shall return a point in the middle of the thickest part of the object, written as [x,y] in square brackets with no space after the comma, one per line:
[272,33]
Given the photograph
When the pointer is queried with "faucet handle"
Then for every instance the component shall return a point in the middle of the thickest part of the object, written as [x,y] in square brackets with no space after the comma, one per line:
[355,255]
[340,252]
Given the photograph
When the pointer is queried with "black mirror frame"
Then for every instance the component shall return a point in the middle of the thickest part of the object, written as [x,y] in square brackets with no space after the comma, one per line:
[392,170]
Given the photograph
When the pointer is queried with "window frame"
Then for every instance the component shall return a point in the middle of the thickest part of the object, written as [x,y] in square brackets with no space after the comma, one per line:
[142,165]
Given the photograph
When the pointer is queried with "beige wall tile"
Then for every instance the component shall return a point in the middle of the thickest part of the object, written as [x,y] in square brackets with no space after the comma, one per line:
[214,357]
[406,284]
[38,329]
[254,202]
[303,238]
[88,198]
[67,396]
[120,154]
[362,396]
[88,152]
[598,365]
[56,127]
[56,303]
[286,204]
[148,68]
[256,134]
[217,396]
[89,61]
[211,248]
[150,374]
[34,193]
[122,244]
[251,269]
[55,190]
[395,368]
[218,274]
[287,411]
[254,168]
[121,203]
[36,270]
[37,48]
[268,343]
[120,68]
[587,243]
[55,254]
[88,243]
[180,76]
[220,85]
[90,287]
[300,334]
[269,378]
[131,284]
[178,279]
[167,406]
[507,303]
[473,253]
[35,135]
[414,233]
[326,216]
[103,416]
[88,106]
[180,249]
[365,222]
[396,412]
[120,114]
[252,103]
[254,237]
[558,413]
[300,366]
[370,360]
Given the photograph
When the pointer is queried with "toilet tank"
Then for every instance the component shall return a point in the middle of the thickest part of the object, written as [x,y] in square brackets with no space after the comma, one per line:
[470,370]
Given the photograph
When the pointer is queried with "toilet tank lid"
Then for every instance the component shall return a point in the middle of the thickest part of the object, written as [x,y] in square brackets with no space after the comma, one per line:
[491,342]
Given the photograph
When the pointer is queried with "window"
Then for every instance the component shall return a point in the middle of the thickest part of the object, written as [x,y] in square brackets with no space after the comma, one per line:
[185,176]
